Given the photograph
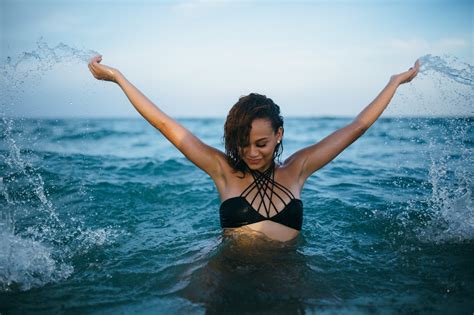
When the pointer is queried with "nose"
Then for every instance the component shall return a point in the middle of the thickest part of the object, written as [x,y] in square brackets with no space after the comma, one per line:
[252,151]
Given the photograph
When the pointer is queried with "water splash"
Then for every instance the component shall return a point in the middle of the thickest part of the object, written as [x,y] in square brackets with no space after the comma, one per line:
[20,168]
[32,66]
[450,168]
[34,253]
[25,263]
[42,59]
[442,95]
[444,87]
[450,67]
[450,204]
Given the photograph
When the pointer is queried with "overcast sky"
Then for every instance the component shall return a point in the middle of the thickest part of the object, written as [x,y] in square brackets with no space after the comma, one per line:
[195,58]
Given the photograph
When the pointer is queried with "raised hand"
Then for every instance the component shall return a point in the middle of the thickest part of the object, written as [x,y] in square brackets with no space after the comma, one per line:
[406,76]
[102,72]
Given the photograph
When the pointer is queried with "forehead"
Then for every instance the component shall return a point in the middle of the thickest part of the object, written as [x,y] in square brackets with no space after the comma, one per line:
[261,128]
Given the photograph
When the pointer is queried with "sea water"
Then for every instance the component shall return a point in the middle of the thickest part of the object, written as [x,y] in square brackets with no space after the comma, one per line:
[105,216]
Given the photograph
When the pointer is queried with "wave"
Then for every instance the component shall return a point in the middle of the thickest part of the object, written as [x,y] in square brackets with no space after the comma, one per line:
[26,263]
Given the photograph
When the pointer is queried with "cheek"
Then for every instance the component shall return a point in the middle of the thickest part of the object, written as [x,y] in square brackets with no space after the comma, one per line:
[268,150]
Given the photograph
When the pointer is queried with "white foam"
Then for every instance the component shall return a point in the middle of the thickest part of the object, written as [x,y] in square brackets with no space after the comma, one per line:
[450,205]
[25,264]
[89,238]
[452,217]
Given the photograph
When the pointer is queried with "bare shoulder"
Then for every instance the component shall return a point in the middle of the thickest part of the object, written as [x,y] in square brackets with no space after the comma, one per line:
[288,175]
[293,166]
[227,178]
[222,163]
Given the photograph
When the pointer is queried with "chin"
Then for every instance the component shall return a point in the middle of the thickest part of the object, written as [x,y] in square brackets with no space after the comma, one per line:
[257,166]
[253,166]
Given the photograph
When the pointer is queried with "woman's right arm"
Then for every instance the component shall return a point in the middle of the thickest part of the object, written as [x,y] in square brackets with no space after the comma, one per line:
[203,156]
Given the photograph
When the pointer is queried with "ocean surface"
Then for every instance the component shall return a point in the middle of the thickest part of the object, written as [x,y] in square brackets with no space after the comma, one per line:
[105,216]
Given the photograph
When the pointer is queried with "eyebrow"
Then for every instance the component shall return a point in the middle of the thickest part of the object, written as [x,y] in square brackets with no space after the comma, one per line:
[261,139]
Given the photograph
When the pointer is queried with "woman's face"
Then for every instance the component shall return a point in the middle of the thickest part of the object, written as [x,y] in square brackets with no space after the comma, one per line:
[258,154]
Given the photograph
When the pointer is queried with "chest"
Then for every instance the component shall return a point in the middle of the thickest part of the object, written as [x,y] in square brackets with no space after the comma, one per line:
[267,194]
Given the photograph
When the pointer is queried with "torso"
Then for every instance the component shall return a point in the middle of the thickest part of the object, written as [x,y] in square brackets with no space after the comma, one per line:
[233,185]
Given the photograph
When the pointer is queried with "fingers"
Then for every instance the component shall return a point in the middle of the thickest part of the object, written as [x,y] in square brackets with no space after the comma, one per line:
[414,70]
[413,74]
[416,67]
[92,70]
[99,71]
[95,60]
[94,66]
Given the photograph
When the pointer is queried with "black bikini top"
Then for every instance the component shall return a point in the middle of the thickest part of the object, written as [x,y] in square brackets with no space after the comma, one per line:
[263,199]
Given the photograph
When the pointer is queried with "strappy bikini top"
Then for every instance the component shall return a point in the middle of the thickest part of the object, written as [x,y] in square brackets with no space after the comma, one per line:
[260,201]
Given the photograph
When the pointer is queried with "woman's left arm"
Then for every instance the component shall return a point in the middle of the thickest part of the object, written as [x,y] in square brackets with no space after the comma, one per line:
[312,158]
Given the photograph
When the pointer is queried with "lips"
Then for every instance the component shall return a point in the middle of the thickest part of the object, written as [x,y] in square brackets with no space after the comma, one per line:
[256,161]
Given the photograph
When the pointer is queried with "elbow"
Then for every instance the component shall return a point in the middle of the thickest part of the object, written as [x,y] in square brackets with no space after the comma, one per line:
[360,127]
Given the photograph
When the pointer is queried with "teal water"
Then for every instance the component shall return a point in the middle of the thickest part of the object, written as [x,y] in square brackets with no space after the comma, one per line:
[105,216]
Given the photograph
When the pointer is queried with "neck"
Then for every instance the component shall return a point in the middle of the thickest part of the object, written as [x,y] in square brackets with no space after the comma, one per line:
[266,168]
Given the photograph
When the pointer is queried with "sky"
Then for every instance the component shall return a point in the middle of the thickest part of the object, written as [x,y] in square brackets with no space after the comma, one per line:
[196,58]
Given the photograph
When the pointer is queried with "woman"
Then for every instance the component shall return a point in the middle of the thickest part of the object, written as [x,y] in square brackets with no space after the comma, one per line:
[257,194]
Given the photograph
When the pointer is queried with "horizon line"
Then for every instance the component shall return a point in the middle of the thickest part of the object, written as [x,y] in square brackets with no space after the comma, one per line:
[223,117]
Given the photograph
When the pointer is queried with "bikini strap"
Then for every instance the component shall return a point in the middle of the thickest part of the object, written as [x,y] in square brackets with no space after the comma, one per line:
[265,184]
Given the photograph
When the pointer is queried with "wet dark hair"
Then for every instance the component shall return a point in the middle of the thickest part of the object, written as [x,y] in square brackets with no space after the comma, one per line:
[239,123]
